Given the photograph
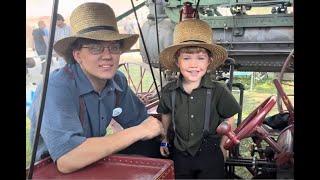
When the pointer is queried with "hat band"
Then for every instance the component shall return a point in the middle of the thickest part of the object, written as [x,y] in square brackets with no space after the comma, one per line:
[96,28]
[193,41]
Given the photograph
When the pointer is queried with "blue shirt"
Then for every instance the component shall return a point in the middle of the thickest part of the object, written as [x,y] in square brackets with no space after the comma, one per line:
[61,129]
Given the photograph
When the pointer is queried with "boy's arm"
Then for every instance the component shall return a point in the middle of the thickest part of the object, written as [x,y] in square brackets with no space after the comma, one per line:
[230,121]
[165,119]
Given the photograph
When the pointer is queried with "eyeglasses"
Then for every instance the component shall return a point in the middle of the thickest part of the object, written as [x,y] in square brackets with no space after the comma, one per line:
[96,49]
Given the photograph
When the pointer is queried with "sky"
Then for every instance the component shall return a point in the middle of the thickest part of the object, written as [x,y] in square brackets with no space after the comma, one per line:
[36,8]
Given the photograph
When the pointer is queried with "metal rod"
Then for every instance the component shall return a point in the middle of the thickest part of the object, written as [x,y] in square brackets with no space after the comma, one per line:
[144,45]
[130,11]
[44,89]
[157,31]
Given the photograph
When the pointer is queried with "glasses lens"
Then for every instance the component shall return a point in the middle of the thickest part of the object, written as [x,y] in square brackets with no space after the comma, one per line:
[96,48]
[114,48]
[99,48]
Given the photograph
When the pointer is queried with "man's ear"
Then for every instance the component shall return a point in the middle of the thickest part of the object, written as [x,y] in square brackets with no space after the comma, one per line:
[76,56]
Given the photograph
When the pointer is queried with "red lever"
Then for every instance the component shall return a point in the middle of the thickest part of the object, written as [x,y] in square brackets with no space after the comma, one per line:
[225,129]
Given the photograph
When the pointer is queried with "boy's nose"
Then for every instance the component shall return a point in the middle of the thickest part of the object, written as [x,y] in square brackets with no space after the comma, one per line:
[192,63]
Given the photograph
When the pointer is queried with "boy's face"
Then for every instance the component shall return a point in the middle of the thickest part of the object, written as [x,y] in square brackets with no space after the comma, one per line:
[100,60]
[193,66]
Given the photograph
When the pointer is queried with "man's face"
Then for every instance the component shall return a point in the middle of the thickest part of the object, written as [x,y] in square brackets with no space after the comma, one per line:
[42,25]
[193,66]
[99,61]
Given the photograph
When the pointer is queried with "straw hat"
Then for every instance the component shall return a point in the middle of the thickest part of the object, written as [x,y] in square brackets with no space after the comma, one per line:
[95,21]
[196,33]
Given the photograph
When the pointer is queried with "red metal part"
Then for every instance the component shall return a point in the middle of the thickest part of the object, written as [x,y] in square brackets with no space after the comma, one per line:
[188,12]
[250,124]
[285,100]
[111,167]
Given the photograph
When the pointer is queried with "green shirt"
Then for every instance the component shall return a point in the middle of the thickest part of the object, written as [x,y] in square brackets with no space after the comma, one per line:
[190,111]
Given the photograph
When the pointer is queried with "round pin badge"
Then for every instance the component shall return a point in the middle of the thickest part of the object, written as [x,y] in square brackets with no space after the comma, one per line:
[116,112]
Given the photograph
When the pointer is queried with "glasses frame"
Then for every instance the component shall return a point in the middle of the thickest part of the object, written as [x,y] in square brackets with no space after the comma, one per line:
[97,51]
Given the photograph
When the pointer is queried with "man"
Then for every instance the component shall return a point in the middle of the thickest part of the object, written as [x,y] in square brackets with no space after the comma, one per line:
[62,31]
[40,40]
[88,92]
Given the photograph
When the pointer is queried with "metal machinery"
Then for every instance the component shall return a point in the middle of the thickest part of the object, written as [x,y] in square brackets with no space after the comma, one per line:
[257,43]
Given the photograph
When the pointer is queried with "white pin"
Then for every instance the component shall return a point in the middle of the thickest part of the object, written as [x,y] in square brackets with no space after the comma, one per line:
[116,112]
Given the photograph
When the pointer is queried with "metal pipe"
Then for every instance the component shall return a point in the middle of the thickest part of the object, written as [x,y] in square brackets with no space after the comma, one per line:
[144,45]
[130,11]
[44,89]
[157,31]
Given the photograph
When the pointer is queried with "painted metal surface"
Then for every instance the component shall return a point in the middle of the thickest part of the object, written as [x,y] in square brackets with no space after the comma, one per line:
[111,167]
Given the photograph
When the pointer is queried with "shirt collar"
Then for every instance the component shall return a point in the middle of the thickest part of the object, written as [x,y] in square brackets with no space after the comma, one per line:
[85,85]
[206,82]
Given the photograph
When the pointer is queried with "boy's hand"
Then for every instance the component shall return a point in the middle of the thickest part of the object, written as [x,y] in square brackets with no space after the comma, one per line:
[164,150]
[224,151]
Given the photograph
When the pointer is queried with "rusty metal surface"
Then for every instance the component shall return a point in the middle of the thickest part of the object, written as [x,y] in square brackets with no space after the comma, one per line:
[111,167]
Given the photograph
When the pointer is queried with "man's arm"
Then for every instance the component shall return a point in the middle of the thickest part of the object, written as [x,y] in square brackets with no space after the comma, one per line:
[95,148]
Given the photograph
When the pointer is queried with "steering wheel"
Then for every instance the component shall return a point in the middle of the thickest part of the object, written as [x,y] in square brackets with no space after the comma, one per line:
[248,126]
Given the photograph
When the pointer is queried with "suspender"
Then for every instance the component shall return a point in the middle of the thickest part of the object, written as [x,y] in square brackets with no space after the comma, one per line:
[82,106]
[207,111]
[173,104]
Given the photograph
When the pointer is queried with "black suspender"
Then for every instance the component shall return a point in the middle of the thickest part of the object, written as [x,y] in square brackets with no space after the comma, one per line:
[207,111]
[173,104]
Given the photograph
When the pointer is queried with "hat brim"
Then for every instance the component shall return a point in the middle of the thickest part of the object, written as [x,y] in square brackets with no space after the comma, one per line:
[61,46]
[167,59]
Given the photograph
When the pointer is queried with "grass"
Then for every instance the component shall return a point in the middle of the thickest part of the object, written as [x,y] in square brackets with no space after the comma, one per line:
[262,90]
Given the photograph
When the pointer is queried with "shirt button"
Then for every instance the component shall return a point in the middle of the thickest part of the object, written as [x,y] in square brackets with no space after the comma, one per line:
[191,116]
[102,118]
[191,97]
[191,134]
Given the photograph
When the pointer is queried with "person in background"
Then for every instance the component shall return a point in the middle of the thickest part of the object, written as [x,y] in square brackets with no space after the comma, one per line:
[40,41]
[62,30]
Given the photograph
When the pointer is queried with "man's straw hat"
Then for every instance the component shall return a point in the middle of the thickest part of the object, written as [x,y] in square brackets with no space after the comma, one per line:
[95,21]
[195,33]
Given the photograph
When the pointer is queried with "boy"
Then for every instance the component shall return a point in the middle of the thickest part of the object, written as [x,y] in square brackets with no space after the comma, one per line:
[194,104]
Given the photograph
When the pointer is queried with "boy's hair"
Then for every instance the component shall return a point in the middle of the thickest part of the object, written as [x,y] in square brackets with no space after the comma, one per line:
[191,50]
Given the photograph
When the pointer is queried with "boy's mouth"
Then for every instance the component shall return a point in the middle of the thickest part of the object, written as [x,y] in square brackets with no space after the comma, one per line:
[193,72]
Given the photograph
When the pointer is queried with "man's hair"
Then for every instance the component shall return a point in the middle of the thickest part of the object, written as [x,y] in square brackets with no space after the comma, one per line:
[78,43]
[191,50]
[60,17]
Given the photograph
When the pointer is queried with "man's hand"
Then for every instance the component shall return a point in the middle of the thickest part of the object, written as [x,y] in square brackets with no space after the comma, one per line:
[151,127]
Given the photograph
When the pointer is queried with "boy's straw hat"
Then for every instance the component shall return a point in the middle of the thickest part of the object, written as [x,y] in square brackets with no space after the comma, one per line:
[95,21]
[195,33]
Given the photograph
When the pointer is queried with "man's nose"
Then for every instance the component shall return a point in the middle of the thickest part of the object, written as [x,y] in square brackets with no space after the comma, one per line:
[106,54]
